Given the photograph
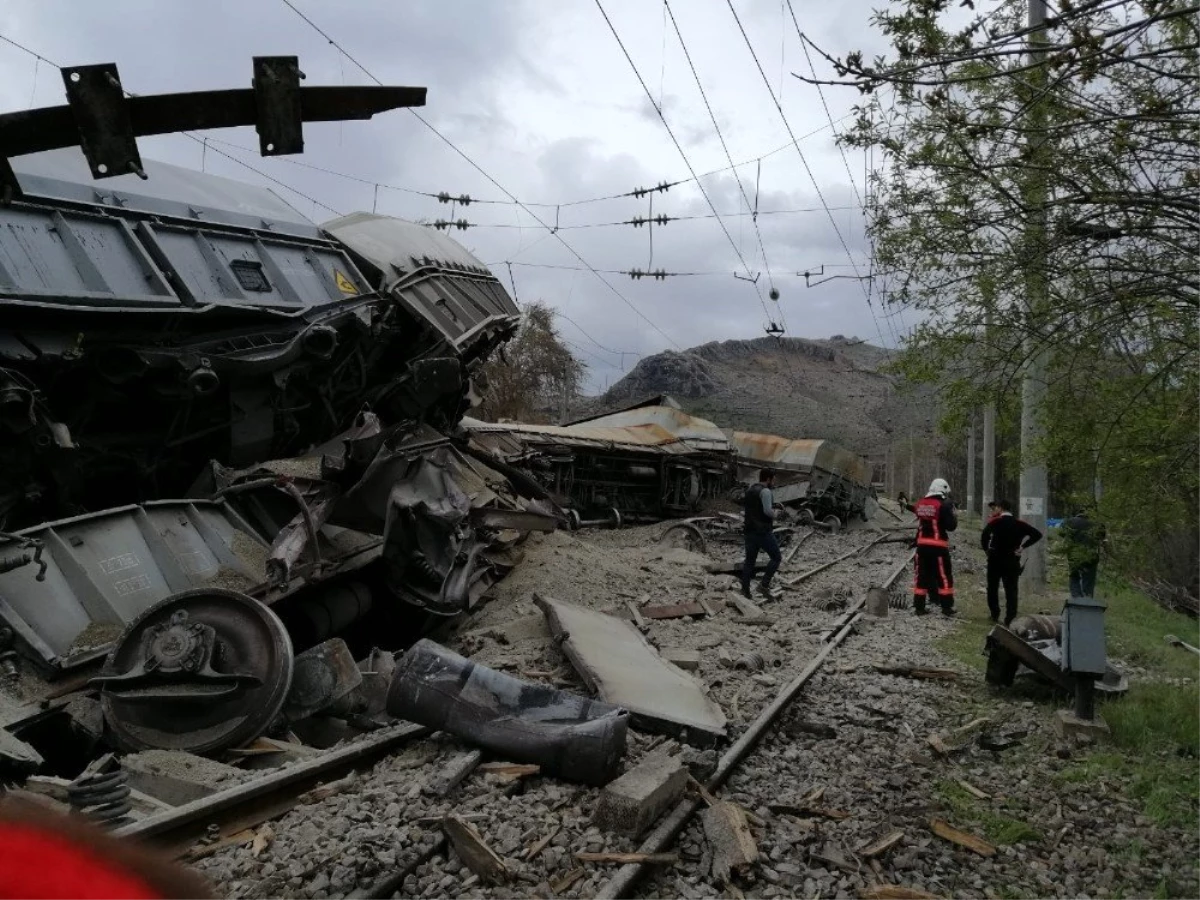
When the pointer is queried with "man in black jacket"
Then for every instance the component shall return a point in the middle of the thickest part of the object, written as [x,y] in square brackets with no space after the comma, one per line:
[758,524]
[1003,539]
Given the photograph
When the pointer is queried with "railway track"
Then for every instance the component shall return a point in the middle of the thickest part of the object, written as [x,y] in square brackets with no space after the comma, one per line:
[621,884]
[216,820]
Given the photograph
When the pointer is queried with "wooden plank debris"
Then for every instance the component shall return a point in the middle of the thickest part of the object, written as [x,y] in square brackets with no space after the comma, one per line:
[474,852]
[831,859]
[948,832]
[245,837]
[807,811]
[894,892]
[625,859]
[564,884]
[674,611]
[733,846]
[332,789]
[539,845]
[503,771]
[883,845]
[636,615]
[923,672]
[262,840]
[973,791]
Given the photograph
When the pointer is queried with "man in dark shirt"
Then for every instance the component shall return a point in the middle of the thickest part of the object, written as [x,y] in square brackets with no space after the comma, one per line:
[758,524]
[1003,538]
[1083,539]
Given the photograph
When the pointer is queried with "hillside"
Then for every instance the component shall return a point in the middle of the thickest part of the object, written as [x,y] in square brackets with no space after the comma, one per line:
[831,389]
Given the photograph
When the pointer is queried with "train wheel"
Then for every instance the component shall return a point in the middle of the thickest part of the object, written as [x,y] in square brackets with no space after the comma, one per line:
[833,523]
[202,671]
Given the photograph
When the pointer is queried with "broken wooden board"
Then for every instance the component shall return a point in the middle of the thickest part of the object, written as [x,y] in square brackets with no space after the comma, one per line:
[510,771]
[674,611]
[455,773]
[894,892]
[948,832]
[564,884]
[924,672]
[617,662]
[728,834]
[973,791]
[474,852]
[625,859]
[883,845]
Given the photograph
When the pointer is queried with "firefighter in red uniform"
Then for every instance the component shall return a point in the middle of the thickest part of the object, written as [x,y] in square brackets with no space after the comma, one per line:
[932,575]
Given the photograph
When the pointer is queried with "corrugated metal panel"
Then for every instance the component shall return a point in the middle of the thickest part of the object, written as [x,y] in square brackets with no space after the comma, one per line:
[801,455]
[116,261]
[107,568]
[639,439]
[699,433]
[170,190]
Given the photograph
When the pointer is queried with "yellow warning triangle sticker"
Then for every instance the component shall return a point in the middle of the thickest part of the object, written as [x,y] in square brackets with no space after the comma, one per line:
[344,284]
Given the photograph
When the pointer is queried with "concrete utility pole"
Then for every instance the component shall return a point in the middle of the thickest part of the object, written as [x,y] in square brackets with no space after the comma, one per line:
[1034,487]
[971,466]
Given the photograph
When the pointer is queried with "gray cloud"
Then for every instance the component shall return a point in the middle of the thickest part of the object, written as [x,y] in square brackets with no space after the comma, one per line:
[540,96]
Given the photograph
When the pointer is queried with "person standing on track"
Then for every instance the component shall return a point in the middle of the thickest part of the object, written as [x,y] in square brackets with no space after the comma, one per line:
[932,574]
[758,524]
[1003,538]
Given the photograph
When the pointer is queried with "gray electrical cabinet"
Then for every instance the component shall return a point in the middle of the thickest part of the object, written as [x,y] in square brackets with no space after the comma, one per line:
[1083,637]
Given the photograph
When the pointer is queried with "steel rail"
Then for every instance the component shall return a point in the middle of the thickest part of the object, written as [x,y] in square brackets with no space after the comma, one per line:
[669,828]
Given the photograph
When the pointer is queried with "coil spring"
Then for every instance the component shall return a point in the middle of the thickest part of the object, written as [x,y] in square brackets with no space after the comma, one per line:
[102,798]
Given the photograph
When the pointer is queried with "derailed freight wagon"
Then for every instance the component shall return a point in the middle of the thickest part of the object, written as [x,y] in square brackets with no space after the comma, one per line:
[821,480]
[641,464]
[223,427]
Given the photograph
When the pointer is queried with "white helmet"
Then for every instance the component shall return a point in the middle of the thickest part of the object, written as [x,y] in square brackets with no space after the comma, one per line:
[939,487]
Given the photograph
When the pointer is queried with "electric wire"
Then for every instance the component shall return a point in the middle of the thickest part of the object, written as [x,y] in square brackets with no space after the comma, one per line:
[725,147]
[687,162]
[804,162]
[612,288]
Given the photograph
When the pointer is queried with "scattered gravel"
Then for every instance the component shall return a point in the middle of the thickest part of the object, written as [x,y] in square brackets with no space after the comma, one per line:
[877,766]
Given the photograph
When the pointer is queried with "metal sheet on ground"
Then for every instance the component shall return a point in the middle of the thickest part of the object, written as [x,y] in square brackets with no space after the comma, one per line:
[616,661]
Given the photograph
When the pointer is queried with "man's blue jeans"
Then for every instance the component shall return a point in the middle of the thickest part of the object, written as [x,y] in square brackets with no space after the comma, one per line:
[756,541]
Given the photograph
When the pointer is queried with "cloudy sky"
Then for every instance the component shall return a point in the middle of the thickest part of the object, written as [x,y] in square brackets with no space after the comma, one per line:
[540,95]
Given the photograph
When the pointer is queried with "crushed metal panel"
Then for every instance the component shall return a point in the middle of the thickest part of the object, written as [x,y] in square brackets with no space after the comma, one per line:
[437,278]
[106,568]
[618,663]
[699,434]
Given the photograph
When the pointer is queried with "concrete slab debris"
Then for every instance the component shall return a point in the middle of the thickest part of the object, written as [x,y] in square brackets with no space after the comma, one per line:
[178,778]
[1069,725]
[688,660]
[637,799]
[617,662]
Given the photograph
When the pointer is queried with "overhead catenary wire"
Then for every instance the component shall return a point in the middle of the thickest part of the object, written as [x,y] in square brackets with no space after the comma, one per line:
[612,288]
[807,168]
[724,146]
[678,146]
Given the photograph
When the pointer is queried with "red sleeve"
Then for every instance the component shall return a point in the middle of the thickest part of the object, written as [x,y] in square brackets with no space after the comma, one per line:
[36,863]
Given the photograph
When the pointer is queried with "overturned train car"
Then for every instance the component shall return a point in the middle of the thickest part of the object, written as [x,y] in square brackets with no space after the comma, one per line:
[821,480]
[642,464]
[223,440]
[654,461]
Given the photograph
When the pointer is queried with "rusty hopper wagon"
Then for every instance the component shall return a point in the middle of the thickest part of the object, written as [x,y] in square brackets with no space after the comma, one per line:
[223,427]
[640,464]
[823,481]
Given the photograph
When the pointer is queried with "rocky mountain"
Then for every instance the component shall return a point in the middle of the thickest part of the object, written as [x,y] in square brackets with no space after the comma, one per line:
[834,389]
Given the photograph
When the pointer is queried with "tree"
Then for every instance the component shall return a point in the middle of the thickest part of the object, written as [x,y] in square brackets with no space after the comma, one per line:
[535,376]
[1075,170]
